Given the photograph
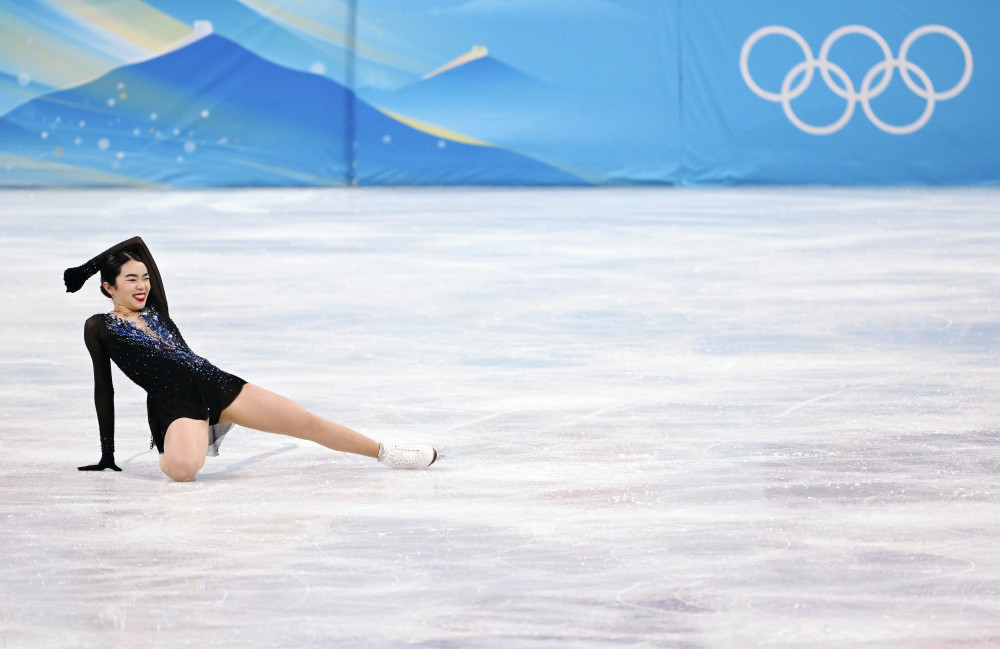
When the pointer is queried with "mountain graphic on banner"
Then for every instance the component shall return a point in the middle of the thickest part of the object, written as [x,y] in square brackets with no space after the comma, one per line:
[213,113]
[477,95]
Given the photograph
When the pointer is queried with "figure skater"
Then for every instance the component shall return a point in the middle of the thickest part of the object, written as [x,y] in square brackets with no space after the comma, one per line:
[190,403]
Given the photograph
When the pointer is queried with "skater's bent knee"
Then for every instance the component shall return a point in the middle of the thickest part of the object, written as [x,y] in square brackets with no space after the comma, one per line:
[181,468]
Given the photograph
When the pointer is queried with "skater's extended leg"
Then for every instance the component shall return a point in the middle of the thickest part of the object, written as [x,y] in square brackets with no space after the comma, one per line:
[264,410]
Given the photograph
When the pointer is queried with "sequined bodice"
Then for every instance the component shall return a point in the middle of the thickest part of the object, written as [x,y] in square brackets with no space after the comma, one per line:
[159,338]
[155,355]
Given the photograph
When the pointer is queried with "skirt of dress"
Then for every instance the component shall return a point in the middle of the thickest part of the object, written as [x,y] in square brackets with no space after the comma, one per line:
[212,398]
[215,435]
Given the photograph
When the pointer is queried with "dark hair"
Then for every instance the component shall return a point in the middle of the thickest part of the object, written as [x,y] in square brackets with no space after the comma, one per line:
[111,266]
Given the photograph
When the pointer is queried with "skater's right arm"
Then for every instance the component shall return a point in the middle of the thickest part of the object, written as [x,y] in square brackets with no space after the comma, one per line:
[94,335]
[76,277]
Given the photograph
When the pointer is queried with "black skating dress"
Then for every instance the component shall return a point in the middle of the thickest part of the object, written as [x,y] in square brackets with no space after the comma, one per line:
[178,382]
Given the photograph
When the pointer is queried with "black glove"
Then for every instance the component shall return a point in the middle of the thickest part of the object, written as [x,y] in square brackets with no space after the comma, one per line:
[75,277]
[107,462]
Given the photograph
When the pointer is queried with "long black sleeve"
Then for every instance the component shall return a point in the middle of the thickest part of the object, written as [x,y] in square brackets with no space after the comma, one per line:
[95,335]
[157,295]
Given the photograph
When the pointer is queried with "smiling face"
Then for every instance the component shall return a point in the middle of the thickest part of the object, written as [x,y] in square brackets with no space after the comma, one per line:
[131,286]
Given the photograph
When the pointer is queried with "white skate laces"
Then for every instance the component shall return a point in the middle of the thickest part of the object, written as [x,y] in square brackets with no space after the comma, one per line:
[398,456]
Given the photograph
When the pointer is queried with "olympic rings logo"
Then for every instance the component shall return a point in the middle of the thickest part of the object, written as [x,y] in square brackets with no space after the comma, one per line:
[805,71]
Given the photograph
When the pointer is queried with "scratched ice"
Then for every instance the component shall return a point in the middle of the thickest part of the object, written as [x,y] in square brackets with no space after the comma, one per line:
[672,418]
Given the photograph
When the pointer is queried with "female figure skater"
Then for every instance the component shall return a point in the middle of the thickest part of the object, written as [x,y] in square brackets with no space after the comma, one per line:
[191,404]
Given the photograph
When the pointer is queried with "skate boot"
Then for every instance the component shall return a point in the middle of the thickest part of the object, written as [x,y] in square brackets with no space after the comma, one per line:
[399,456]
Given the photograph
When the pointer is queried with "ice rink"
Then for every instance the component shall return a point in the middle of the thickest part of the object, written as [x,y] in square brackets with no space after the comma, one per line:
[692,418]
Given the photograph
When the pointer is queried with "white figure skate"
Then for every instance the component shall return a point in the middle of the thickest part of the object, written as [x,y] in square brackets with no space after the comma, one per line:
[399,456]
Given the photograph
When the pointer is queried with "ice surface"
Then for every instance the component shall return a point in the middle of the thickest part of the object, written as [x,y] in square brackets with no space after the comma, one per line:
[672,418]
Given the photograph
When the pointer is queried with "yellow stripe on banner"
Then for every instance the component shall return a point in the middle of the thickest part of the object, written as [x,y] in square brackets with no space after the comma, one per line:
[331,34]
[312,179]
[131,20]
[476,53]
[60,172]
[436,131]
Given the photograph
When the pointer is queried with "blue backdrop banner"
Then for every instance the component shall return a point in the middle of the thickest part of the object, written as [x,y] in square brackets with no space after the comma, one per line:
[858,92]
[486,92]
